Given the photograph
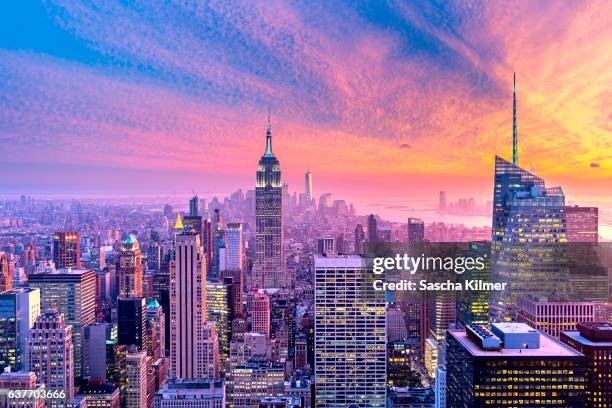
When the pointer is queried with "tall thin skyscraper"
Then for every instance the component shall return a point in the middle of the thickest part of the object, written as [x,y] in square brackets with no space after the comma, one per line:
[308,185]
[52,353]
[233,247]
[130,268]
[372,229]
[193,339]
[6,277]
[416,230]
[442,201]
[67,250]
[193,206]
[268,269]
[19,309]
[359,238]
[350,338]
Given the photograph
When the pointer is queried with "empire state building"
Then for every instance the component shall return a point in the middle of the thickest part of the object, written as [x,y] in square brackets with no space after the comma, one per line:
[268,269]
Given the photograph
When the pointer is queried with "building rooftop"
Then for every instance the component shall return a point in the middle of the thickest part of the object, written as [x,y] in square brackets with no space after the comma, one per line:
[339,261]
[549,347]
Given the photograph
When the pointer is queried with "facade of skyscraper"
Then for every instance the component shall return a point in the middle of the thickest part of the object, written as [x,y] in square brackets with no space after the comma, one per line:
[136,372]
[156,322]
[6,277]
[582,224]
[350,338]
[416,230]
[192,351]
[218,311]
[52,353]
[372,228]
[67,250]
[269,263]
[19,309]
[511,365]
[234,248]
[259,308]
[72,292]
[308,186]
[359,239]
[594,340]
[129,268]
[131,322]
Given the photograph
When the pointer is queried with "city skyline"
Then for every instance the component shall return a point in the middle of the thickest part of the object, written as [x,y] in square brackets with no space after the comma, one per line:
[420,94]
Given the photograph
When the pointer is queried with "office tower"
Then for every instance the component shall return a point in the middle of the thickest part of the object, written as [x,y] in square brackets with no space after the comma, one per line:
[350,339]
[554,314]
[396,325]
[416,230]
[301,352]
[154,256]
[582,224]
[67,250]
[72,292]
[269,267]
[308,186]
[430,356]
[191,393]
[156,321]
[6,277]
[19,309]
[359,238]
[10,381]
[96,337]
[208,242]
[259,309]
[341,246]
[233,247]
[442,201]
[530,369]
[136,372]
[218,310]
[326,246]
[194,349]
[440,387]
[257,379]
[193,206]
[372,229]
[52,353]
[473,305]
[594,340]
[101,395]
[131,322]
[129,268]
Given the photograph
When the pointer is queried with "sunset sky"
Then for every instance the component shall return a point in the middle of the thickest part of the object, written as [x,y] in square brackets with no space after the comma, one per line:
[386,102]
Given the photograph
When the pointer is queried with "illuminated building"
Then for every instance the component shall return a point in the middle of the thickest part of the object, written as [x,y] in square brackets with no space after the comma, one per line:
[594,340]
[218,310]
[19,309]
[156,321]
[554,314]
[255,380]
[430,356]
[269,267]
[350,338]
[259,308]
[52,353]
[136,373]
[10,381]
[72,292]
[582,224]
[129,268]
[101,395]
[191,393]
[399,372]
[473,306]
[396,325]
[6,277]
[511,365]
[234,248]
[67,250]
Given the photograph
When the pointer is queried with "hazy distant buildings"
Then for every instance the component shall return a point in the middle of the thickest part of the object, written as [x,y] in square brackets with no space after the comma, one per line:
[359,239]
[308,186]
[511,364]
[6,277]
[372,229]
[350,335]
[442,201]
[67,250]
[326,246]
[269,268]
[416,230]
[582,224]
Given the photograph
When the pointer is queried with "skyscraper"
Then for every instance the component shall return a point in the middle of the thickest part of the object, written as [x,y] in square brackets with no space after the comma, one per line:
[19,309]
[6,277]
[193,206]
[131,322]
[359,238]
[52,353]
[130,268]
[350,339]
[72,292]
[192,351]
[156,321]
[136,371]
[442,201]
[308,186]
[233,247]
[511,365]
[67,250]
[218,310]
[372,229]
[582,224]
[416,230]
[259,308]
[269,268]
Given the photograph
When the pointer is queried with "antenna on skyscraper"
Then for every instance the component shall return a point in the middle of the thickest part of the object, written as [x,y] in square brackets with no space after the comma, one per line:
[269,117]
[514,130]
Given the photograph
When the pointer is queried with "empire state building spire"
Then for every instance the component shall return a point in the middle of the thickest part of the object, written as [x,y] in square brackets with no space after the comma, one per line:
[514,130]
[268,152]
